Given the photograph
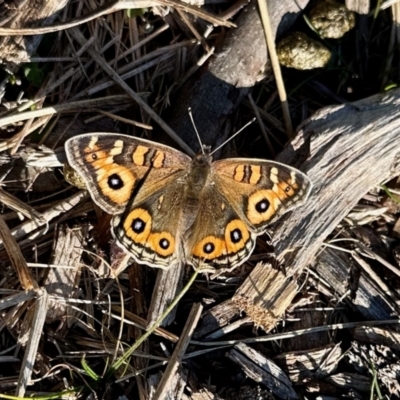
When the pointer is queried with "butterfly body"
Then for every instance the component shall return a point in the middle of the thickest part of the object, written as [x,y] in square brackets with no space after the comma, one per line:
[170,209]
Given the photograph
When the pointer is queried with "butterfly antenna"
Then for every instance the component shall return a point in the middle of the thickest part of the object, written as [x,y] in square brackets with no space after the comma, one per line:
[195,129]
[235,134]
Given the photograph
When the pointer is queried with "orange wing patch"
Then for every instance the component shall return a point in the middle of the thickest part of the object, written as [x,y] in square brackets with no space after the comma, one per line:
[115,181]
[138,156]
[137,227]
[263,204]
[236,236]
[210,248]
[158,159]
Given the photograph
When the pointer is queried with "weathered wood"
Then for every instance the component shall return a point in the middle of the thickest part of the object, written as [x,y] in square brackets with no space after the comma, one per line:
[254,295]
[380,336]
[63,280]
[304,365]
[216,317]
[37,318]
[350,381]
[167,286]
[334,266]
[20,14]
[261,369]
[165,385]
[345,150]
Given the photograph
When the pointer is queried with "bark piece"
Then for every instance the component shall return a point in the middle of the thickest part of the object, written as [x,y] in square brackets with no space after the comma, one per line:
[62,281]
[307,364]
[350,381]
[168,284]
[336,148]
[371,334]
[165,386]
[215,318]
[254,295]
[333,267]
[22,14]
[261,369]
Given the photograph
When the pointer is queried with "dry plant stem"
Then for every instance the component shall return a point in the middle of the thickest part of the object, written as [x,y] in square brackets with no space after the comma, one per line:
[36,329]
[111,7]
[335,148]
[180,349]
[122,119]
[60,208]
[229,328]
[269,38]
[194,31]
[25,277]
[152,61]
[131,318]
[67,107]
[19,206]
[297,333]
[129,352]
[14,299]
[77,35]
[261,125]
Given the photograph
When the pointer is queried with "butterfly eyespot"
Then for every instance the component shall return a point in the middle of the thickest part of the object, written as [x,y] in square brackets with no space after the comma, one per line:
[115,182]
[164,244]
[94,156]
[138,225]
[262,206]
[236,235]
[287,189]
[208,248]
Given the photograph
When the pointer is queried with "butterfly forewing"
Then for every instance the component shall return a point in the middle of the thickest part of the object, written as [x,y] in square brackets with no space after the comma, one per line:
[260,190]
[114,166]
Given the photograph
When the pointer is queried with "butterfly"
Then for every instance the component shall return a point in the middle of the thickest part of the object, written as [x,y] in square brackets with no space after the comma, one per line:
[169,209]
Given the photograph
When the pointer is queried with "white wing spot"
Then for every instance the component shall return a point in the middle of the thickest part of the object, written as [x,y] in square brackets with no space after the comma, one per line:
[117,148]
[274,175]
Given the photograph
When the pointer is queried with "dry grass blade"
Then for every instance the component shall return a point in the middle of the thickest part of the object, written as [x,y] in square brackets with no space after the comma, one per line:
[53,212]
[269,37]
[37,320]
[177,356]
[26,279]
[17,205]
[111,7]
[77,35]
[61,108]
